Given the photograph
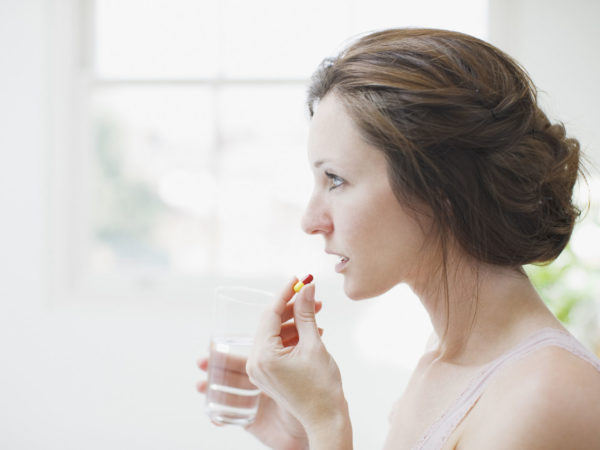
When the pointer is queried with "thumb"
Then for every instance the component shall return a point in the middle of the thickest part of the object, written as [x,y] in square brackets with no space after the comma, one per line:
[304,314]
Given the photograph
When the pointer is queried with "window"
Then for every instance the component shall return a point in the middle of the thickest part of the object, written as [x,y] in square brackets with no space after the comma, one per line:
[191,161]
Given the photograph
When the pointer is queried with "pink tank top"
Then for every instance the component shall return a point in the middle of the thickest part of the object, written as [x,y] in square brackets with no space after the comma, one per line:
[439,432]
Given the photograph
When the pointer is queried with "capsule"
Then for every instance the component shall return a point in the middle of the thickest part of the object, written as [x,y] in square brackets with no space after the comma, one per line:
[300,284]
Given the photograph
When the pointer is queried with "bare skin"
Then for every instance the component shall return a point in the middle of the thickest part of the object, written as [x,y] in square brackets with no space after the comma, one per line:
[490,309]
[548,400]
[508,311]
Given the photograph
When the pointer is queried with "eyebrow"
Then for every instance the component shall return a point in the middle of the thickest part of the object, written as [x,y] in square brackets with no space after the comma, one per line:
[318,163]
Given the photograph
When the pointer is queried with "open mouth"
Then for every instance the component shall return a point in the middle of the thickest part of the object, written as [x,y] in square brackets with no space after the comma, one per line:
[341,263]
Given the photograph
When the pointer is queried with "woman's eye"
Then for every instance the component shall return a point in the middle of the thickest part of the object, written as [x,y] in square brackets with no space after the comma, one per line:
[334,181]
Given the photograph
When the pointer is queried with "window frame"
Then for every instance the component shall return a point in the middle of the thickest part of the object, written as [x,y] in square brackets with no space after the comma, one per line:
[72,82]
[71,36]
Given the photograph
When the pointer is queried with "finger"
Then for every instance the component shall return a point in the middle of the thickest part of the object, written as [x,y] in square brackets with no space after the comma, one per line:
[228,370]
[233,400]
[201,386]
[289,331]
[289,310]
[293,339]
[272,318]
[286,294]
[226,361]
[304,314]
[203,363]
[231,378]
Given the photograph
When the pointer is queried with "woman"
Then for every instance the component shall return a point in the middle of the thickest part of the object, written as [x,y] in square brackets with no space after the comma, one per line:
[434,166]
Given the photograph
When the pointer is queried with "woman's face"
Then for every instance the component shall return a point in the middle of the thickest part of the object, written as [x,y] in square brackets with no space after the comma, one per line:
[354,208]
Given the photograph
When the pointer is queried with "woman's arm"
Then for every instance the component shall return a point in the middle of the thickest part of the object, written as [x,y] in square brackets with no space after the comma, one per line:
[335,433]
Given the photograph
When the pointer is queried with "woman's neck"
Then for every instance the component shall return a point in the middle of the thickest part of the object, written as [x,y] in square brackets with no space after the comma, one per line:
[485,308]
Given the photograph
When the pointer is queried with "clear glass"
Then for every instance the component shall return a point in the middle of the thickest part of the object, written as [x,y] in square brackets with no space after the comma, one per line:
[231,399]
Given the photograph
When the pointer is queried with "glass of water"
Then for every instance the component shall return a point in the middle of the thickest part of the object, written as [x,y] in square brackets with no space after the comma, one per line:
[230,396]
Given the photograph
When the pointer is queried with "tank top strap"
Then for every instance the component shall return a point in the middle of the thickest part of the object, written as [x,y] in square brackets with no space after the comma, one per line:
[442,428]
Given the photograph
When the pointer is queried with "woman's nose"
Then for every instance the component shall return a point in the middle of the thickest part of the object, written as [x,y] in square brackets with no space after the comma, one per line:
[316,218]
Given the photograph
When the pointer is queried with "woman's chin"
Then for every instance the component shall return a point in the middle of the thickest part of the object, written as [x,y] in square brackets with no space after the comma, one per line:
[355,291]
[360,291]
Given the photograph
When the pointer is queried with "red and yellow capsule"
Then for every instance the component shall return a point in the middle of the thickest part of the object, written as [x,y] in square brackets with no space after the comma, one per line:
[300,284]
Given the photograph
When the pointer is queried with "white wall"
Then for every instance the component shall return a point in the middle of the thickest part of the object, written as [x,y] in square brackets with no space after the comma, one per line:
[122,376]
[21,146]
[558,43]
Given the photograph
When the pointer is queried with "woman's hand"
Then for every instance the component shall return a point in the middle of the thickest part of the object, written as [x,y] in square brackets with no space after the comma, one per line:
[274,425]
[302,379]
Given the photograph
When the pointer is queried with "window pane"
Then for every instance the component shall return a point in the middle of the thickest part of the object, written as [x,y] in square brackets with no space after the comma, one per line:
[265,181]
[167,199]
[276,39]
[213,180]
[156,38]
[154,191]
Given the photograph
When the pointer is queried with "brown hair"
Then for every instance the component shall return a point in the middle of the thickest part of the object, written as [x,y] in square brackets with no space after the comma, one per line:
[459,124]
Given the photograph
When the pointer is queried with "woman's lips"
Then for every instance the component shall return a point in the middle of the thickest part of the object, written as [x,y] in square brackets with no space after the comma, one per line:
[342,264]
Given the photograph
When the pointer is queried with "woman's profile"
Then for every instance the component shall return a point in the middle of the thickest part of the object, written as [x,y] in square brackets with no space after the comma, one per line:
[434,166]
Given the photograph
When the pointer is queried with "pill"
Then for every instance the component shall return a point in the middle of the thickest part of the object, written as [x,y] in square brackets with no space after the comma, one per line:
[300,284]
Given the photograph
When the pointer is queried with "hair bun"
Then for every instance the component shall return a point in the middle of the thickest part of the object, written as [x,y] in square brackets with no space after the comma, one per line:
[559,156]
[459,123]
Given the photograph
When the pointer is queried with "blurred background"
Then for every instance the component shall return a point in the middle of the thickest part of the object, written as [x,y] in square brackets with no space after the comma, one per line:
[152,150]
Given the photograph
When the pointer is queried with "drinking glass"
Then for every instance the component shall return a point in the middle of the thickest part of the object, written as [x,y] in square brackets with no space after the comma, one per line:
[230,397]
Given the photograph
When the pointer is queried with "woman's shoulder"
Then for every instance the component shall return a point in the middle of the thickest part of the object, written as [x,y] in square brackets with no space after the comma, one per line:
[556,379]
[548,399]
